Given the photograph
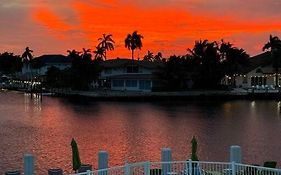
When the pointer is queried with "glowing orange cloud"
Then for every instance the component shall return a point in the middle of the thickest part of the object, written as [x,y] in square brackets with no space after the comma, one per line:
[165,28]
[51,21]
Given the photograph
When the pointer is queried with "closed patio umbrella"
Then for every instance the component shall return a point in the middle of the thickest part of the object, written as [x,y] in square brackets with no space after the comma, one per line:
[76,163]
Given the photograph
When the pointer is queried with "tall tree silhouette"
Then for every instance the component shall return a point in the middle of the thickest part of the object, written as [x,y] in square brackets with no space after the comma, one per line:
[27,54]
[158,56]
[86,55]
[73,53]
[83,70]
[173,74]
[107,43]
[274,46]
[99,53]
[10,63]
[133,41]
[233,59]
[149,56]
[224,49]
[207,61]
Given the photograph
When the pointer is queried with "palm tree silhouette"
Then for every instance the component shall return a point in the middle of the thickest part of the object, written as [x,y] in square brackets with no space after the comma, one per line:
[198,52]
[73,53]
[99,53]
[158,57]
[133,41]
[27,54]
[107,43]
[26,58]
[86,55]
[232,58]
[149,56]
[224,48]
[206,60]
[274,46]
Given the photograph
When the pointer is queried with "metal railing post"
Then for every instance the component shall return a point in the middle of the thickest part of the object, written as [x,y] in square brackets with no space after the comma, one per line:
[88,172]
[166,158]
[102,162]
[127,168]
[147,168]
[190,167]
[233,168]
[28,164]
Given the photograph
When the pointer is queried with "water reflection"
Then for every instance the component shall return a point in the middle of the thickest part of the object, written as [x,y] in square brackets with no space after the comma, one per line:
[134,131]
[32,102]
[278,108]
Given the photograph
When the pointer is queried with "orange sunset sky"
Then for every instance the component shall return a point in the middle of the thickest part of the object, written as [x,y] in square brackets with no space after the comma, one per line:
[169,26]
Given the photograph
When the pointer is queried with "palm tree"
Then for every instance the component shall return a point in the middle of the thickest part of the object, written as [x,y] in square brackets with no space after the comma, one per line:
[133,41]
[86,55]
[73,53]
[26,57]
[198,51]
[224,48]
[107,43]
[149,56]
[232,58]
[274,46]
[27,54]
[10,63]
[206,60]
[158,57]
[99,53]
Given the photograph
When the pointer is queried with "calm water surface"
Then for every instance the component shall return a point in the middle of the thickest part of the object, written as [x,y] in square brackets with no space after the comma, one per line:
[133,131]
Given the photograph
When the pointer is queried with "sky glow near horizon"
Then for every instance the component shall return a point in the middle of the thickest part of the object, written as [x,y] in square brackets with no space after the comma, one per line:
[169,26]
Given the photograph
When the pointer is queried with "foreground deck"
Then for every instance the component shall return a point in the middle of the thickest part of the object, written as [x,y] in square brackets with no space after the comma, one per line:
[185,168]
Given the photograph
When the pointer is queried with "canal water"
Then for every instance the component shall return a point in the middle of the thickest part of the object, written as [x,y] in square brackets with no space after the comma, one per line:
[133,131]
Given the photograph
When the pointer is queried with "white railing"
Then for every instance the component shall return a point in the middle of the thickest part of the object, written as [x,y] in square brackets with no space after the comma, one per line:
[119,170]
[185,168]
[242,169]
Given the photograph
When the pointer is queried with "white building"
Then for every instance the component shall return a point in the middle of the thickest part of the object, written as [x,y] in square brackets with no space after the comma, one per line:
[259,74]
[40,65]
[125,74]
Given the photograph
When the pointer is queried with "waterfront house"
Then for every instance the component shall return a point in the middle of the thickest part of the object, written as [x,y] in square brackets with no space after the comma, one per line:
[129,75]
[34,71]
[40,65]
[258,74]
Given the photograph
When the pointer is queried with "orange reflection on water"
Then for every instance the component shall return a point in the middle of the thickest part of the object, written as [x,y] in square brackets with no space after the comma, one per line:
[133,131]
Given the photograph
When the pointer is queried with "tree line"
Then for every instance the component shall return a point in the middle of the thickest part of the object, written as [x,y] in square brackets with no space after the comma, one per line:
[203,66]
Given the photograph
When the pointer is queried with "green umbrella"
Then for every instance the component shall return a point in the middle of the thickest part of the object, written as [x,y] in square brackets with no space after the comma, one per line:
[194,156]
[76,163]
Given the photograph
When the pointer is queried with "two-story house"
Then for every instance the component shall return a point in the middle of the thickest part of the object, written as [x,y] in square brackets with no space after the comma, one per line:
[127,74]
[40,65]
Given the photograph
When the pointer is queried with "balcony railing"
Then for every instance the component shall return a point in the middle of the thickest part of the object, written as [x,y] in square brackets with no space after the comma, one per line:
[185,168]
